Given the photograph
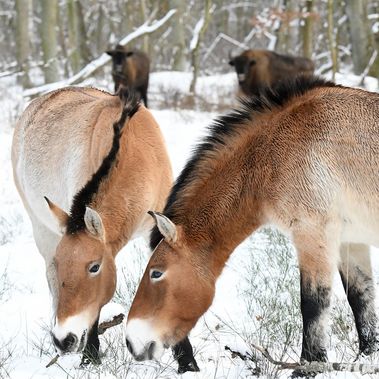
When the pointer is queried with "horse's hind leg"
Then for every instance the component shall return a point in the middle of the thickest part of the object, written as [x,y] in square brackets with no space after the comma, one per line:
[317,256]
[356,274]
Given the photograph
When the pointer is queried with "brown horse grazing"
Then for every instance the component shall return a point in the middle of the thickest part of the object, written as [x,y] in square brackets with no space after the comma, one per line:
[258,69]
[103,159]
[303,157]
[130,68]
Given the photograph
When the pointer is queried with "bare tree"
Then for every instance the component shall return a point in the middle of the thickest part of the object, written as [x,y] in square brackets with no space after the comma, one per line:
[332,39]
[49,40]
[356,13]
[198,35]
[22,40]
[177,35]
[308,29]
[375,43]
[78,49]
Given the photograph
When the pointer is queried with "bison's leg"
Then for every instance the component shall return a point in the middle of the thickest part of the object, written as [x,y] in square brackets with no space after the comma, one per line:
[91,353]
[318,253]
[356,274]
[183,353]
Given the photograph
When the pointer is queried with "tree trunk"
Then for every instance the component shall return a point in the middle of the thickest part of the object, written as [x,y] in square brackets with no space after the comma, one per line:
[178,43]
[78,50]
[196,41]
[308,30]
[356,13]
[49,40]
[374,70]
[286,33]
[331,39]
[145,43]
[82,39]
[73,51]
[101,41]
[22,41]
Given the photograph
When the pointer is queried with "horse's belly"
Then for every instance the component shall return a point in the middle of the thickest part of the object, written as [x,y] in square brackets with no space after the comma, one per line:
[360,224]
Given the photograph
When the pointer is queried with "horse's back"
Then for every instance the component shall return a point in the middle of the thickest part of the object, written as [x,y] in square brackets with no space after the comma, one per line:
[58,142]
[327,155]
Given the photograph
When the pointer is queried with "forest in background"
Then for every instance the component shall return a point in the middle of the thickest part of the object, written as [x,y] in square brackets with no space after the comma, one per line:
[45,41]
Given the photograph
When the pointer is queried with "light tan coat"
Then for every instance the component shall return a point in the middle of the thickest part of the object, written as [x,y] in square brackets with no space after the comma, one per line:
[60,141]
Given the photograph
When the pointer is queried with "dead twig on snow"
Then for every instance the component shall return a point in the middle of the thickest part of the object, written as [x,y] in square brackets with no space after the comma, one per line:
[312,367]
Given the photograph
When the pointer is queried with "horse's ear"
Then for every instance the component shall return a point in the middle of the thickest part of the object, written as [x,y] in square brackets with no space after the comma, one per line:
[94,224]
[59,214]
[166,227]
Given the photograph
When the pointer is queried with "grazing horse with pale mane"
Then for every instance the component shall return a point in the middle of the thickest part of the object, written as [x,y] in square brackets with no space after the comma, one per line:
[303,157]
[103,159]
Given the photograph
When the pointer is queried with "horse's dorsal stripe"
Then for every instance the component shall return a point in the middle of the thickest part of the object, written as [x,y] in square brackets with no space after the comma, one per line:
[85,196]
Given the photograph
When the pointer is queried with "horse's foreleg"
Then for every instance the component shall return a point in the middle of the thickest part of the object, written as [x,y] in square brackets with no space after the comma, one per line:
[183,353]
[91,353]
[356,274]
[317,261]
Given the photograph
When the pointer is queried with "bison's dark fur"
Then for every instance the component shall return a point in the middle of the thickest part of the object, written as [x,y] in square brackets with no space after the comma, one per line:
[131,69]
[257,69]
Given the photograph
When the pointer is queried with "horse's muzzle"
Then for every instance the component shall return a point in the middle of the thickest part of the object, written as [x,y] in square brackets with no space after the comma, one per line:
[147,353]
[67,345]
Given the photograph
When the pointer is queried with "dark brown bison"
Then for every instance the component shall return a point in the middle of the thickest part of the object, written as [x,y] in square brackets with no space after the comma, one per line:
[131,69]
[257,69]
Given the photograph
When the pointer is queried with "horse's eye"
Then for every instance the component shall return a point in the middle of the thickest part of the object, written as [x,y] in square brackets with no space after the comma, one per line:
[94,268]
[155,274]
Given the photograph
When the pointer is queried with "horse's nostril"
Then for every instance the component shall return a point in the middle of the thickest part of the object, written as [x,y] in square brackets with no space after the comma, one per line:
[69,342]
[66,344]
[129,346]
[150,350]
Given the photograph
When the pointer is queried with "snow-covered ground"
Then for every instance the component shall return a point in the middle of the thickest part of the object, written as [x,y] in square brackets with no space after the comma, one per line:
[262,269]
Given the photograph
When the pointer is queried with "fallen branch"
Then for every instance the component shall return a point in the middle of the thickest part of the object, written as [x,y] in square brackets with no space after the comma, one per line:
[308,368]
[101,61]
[54,360]
[100,330]
[109,324]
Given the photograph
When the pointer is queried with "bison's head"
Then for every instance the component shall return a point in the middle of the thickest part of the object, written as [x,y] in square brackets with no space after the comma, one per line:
[119,58]
[242,64]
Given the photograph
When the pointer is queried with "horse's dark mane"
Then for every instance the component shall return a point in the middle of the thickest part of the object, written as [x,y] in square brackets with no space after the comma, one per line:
[230,124]
[85,196]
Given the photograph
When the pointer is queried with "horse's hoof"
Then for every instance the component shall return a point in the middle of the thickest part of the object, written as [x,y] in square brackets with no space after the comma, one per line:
[88,360]
[190,366]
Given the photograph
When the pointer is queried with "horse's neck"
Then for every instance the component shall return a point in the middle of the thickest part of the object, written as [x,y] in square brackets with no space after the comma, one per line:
[120,217]
[221,209]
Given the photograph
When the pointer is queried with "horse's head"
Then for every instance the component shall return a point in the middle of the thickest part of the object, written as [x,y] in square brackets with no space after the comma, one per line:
[86,280]
[176,289]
